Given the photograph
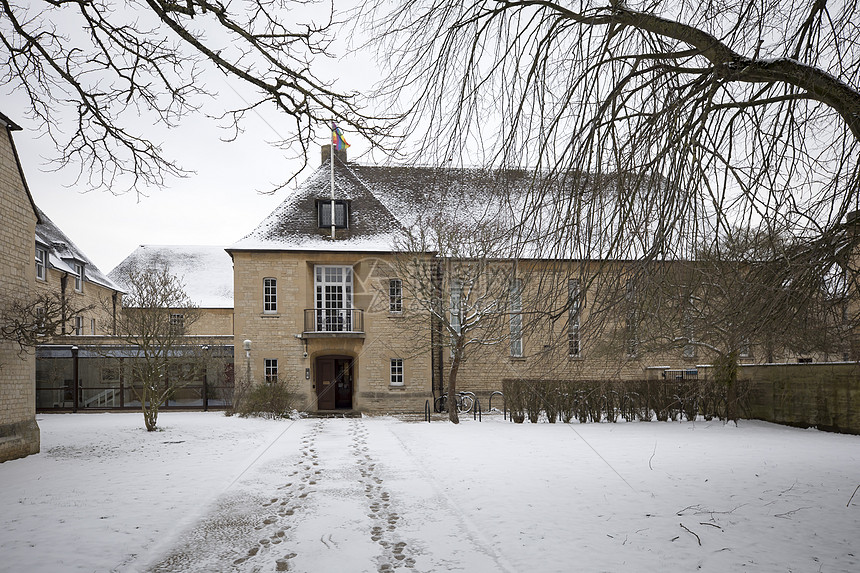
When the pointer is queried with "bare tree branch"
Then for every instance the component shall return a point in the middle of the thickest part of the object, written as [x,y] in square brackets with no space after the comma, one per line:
[90,70]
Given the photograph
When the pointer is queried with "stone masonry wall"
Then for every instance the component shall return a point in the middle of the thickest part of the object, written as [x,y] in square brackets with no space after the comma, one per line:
[277,335]
[97,319]
[19,433]
[825,395]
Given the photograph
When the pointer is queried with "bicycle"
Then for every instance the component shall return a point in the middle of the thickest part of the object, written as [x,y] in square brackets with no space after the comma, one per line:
[465,402]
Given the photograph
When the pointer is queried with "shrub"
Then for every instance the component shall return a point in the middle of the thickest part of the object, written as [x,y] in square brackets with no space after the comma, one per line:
[513,391]
[273,400]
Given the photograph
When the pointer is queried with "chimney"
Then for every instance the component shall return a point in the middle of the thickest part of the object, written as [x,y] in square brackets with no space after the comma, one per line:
[325,154]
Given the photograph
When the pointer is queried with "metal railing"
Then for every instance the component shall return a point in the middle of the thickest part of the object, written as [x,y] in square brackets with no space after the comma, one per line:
[348,320]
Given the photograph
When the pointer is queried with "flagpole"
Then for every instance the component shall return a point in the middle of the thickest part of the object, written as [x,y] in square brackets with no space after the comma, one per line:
[331,148]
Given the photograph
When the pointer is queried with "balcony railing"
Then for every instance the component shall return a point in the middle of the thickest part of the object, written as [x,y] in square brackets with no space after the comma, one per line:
[334,320]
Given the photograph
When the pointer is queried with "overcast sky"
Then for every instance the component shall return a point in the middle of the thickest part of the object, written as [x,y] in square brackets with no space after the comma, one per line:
[217,205]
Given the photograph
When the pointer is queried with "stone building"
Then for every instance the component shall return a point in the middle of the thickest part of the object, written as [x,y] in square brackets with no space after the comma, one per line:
[91,301]
[321,294]
[320,298]
[19,433]
[62,268]
[91,365]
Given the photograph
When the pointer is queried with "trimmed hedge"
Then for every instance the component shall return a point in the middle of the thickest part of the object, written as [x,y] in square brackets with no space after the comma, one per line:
[611,400]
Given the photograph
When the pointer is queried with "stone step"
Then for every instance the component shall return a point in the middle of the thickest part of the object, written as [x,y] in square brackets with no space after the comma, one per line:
[334,414]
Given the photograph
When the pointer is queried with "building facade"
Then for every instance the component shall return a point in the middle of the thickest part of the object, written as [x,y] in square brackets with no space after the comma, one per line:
[324,301]
[19,432]
[92,366]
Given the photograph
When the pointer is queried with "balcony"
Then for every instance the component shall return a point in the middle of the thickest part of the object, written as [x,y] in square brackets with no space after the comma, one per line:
[334,322]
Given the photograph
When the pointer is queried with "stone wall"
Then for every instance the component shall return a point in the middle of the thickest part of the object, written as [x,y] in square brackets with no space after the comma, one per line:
[824,395]
[213,321]
[278,335]
[95,298]
[19,433]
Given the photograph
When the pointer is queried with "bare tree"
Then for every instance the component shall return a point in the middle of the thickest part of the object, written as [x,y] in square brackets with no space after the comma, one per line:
[33,321]
[709,114]
[89,70]
[455,270]
[154,322]
[745,296]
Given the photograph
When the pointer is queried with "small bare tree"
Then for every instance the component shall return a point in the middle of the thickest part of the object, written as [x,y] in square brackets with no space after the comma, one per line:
[156,316]
[455,271]
[34,320]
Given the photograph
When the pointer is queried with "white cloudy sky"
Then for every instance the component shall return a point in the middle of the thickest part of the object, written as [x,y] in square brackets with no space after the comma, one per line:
[216,205]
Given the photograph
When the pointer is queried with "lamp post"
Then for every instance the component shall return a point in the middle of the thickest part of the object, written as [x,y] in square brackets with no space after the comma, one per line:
[205,349]
[75,384]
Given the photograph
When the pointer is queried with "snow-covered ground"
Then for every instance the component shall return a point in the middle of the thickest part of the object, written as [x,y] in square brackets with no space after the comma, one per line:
[212,493]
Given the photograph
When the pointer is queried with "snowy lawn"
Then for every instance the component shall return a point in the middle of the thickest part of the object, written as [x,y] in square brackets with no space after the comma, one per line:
[212,493]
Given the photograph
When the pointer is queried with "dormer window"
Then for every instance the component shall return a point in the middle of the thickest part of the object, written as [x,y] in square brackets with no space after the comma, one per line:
[79,277]
[341,213]
[41,263]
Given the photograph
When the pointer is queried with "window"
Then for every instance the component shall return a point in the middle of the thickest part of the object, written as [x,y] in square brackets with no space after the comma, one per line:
[41,312]
[41,263]
[177,322]
[79,277]
[690,351]
[456,296]
[271,368]
[690,348]
[632,342]
[397,372]
[455,311]
[516,318]
[744,350]
[333,298]
[574,300]
[395,295]
[79,326]
[270,296]
[93,326]
[341,213]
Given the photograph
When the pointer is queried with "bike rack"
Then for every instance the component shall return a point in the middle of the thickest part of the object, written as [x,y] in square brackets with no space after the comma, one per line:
[427,410]
[476,410]
[490,403]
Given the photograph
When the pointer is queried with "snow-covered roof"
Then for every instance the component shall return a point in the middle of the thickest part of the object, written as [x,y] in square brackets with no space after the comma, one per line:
[293,224]
[205,271]
[383,202]
[523,214]
[63,253]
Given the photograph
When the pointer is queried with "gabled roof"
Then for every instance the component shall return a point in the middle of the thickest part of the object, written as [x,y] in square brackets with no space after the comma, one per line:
[63,253]
[8,123]
[384,201]
[499,213]
[205,271]
[293,224]
[10,127]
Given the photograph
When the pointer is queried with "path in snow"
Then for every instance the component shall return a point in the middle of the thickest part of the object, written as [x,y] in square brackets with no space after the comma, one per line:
[328,506]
